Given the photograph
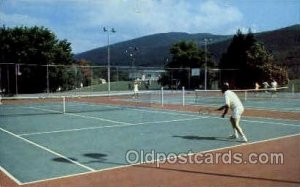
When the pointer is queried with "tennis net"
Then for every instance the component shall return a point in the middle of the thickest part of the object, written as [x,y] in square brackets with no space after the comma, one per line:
[247,94]
[42,105]
[59,104]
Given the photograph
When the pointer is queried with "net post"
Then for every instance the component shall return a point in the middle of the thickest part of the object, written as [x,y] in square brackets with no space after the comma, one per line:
[162,96]
[183,96]
[64,104]
[246,95]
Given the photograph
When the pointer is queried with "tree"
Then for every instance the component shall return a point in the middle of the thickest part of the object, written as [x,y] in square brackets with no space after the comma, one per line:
[236,59]
[27,46]
[185,55]
[249,62]
[261,64]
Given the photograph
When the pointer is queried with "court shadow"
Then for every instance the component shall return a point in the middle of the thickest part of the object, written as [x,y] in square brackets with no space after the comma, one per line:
[190,137]
[96,157]
[63,160]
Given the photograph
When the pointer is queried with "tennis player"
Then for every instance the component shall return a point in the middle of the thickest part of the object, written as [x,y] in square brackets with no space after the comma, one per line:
[135,89]
[274,86]
[257,86]
[233,103]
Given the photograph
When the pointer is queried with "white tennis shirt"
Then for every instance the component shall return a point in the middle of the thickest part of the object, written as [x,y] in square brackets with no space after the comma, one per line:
[233,101]
[135,87]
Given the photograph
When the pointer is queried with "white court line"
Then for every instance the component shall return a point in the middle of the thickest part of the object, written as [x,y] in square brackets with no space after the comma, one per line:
[67,130]
[107,126]
[44,109]
[150,110]
[215,117]
[282,109]
[153,110]
[148,122]
[175,112]
[272,123]
[82,116]
[132,165]
[142,123]
[10,176]
[130,124]
[48,150]
[169,121]
[272,119]
[97,118]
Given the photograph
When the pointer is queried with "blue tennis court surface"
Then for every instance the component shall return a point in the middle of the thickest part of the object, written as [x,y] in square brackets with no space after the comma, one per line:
[44,146]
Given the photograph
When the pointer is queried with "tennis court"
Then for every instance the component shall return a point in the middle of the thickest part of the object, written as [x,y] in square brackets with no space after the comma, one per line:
[46,141]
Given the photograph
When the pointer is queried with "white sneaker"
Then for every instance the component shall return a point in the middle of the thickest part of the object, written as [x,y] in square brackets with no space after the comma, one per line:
[234,136]
[244,139]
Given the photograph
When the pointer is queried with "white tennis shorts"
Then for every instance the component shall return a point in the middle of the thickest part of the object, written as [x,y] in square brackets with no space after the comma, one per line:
[237,112]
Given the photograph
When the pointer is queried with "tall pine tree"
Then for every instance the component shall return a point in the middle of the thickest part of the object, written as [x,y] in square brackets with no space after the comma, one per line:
[249,62]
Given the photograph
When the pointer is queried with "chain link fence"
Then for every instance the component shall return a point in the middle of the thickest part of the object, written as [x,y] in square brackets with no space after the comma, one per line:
[31,78]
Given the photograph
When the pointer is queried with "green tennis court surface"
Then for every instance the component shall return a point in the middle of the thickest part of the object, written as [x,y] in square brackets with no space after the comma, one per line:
[39,146]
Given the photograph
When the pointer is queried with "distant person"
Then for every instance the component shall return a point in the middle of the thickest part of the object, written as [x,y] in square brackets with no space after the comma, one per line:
[257,86]
[135,89]
[233,103]
[266,86]
[274,86]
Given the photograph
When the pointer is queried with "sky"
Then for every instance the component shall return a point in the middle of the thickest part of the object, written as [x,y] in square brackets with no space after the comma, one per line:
[81,22]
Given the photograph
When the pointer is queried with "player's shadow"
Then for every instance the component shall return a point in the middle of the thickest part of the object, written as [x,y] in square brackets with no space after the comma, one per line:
[95,157]
[92,158]
[191,137]
[65,160]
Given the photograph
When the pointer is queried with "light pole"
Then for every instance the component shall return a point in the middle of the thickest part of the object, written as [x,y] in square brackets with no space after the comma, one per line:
[47,74]
[205,73]
[108,31]
[18,73]
[132,53]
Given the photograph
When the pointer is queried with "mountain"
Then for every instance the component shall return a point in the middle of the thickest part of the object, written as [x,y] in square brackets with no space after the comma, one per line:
[153,50]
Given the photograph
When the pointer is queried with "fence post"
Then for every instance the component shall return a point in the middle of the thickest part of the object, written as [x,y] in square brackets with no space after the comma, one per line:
[48,86]
[183,96]
[162,96]
[64,104]
[16,75]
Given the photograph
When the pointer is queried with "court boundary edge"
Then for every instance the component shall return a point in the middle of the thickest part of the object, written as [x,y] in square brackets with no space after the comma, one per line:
[130,165]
